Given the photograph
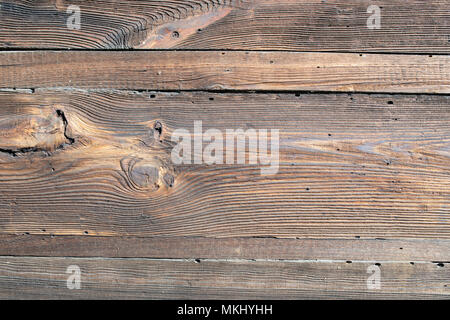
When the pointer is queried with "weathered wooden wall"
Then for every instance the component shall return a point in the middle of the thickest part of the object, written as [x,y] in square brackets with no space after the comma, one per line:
[86,176]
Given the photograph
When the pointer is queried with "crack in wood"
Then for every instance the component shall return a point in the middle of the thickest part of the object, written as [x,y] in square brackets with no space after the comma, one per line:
[44,131]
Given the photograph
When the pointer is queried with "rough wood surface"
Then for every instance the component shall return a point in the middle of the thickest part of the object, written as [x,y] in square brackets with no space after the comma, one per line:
[220,70]
[308,25]
[87,179]
[43,278]
[372,166]
[406,250]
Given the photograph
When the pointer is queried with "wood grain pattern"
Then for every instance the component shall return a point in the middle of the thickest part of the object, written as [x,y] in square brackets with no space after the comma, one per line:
[373,166]
[43,278]
[87,177]
[215,70]
[404,250]
[309,25]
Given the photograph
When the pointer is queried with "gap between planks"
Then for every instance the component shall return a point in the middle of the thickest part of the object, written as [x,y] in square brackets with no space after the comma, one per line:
[146,92]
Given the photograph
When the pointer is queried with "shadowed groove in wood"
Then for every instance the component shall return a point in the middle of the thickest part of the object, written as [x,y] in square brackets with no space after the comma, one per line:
[312,25]
[33,277]
[374,166]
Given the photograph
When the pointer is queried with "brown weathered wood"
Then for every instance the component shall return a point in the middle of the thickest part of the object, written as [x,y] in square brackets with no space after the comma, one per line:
[43,278]
[220,70]
[373,166]
[87,178]
[312,25]
[405,250]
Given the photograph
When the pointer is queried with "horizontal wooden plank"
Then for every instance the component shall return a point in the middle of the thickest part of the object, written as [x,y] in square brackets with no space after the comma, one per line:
[406,25]
[373,166]
[44,278]
[215,70]
[225,248]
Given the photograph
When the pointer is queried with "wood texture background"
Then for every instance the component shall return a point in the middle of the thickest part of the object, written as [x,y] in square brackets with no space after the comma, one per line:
[86,176]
